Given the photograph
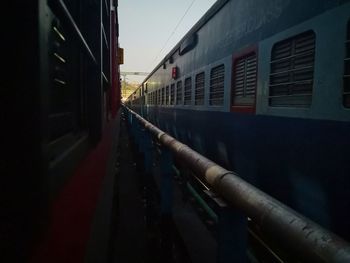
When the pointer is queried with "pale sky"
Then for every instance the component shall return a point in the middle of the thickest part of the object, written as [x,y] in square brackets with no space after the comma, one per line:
[146,25]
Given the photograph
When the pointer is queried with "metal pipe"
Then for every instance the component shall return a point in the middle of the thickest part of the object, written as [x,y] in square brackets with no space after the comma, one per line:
[303,237]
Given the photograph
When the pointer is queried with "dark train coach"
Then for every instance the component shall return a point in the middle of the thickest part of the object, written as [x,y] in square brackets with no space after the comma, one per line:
[60,95]
[263,88]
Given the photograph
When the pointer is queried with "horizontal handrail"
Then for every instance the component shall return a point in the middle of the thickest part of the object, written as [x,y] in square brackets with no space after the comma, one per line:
[304,237]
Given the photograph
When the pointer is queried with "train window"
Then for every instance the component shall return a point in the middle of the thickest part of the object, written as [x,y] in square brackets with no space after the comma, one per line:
[244,81]
[159,102]
[163,96]
[292,71]
[172,94]
[179,93]
[158,97]
[188,91]
[199,89]
[167,95]
[65,93]
[346,95]
[217,80]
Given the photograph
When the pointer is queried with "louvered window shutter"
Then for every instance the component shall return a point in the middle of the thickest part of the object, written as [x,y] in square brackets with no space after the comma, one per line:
[292,71]
[199,89]
[244,82]
[179,93]
[217,80]
[172,94]
[167,95]
[188,91]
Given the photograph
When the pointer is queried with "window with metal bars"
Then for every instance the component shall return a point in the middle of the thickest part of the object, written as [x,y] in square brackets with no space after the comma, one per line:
[216,90]
[179,93]
[199,89]
[188,91]
[66,101]
[292,71]
[163,96]
[172,94]
[244,80]
[167,95]
[346,79]
[159,98]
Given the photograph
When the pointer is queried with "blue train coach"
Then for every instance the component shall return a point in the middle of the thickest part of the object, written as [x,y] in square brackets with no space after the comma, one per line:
[263,88]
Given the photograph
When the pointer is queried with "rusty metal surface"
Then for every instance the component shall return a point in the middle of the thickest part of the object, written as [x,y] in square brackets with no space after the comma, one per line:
[300,235]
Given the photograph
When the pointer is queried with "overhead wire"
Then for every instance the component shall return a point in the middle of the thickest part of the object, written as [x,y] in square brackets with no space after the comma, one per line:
[173,32]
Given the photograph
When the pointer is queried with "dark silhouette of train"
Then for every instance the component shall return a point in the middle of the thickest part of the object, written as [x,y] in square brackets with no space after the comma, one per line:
[263,88]
[60,98]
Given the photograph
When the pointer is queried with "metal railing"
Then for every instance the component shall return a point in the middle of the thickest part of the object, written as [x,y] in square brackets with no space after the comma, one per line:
[300,235]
